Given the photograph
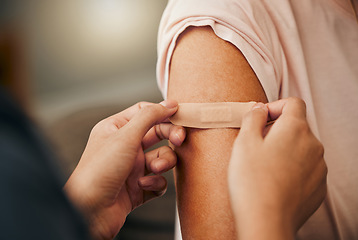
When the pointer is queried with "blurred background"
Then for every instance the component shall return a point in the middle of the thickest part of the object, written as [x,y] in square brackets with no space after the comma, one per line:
[70,63]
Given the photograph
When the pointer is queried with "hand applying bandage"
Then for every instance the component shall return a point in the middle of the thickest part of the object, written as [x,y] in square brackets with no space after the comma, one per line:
[112,177]
[276,179]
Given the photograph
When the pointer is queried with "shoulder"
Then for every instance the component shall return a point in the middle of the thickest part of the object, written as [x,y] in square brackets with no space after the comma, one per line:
[252,26]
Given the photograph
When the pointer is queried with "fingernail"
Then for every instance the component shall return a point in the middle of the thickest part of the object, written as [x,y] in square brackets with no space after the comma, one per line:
[180,134]
[160,165]
[259,106]
[169,103]
[145,182]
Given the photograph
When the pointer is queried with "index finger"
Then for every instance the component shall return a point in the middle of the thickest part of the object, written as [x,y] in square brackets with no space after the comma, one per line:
[254,122]
[122,118]
[128,113]
[289,106]
[146,118]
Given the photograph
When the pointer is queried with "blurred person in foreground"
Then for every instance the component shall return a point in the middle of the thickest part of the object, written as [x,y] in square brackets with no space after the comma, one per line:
[115,175]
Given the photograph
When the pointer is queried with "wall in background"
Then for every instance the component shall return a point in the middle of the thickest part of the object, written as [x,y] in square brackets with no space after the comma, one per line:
[88,52]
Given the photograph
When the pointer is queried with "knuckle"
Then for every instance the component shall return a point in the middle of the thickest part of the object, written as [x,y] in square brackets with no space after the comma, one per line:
[141,104]
[166,149]
[324,172]
[325,168]
[168,152]
[159,132]
[297,101]
[149,109]
[320,149]
[299,125]
[323,192]
[97,128]
[303,126]
[109,121]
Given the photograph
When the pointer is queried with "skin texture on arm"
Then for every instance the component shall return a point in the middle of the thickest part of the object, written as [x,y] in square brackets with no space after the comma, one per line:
[205,68]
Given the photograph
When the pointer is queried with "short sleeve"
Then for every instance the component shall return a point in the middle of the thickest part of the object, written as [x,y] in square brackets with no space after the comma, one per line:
[245,24]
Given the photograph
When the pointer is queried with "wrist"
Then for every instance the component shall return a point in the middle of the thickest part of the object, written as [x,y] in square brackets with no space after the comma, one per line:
[96,207]
[263,223]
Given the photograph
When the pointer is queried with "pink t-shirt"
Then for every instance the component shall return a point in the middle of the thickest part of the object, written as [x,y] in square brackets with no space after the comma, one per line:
[303,48]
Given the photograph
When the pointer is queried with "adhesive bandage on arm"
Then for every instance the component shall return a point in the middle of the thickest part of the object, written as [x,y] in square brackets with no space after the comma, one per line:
[211,115]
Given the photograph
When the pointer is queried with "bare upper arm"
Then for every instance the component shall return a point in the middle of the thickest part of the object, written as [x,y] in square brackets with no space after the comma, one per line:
[205,68]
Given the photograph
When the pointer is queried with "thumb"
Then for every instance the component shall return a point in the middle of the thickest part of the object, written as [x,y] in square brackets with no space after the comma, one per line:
[254,121]
[147,117]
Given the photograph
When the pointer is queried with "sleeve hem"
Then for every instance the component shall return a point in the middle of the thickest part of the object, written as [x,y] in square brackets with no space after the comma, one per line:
[255,53]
